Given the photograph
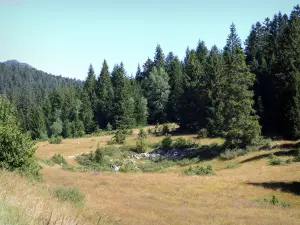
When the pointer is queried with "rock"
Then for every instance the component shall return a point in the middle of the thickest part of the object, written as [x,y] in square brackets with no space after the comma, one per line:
[116,168]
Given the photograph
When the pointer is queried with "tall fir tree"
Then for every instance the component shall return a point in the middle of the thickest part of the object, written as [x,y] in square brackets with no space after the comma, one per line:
[105,96]
[240,116]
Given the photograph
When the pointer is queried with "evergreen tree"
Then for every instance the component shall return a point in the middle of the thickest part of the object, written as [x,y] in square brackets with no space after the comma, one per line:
[240,119]
[123,106]
[158,90]
[36,123]
[105,97]
[159,58]
[90,85]
[87,114]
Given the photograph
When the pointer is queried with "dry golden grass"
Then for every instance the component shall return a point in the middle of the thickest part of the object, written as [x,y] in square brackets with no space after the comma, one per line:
[31,202]
[172,198]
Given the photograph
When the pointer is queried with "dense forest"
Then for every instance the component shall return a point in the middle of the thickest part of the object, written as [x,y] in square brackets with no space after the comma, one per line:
[236,93]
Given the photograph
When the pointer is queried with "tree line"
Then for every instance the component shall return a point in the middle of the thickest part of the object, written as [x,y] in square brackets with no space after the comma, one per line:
[234,93]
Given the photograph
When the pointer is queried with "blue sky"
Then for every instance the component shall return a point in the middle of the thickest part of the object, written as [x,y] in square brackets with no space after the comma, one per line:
[65,36]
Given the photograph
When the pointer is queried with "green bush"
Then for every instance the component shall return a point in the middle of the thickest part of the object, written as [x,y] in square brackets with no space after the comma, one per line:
[99,156]
[119,137]
[297,156]
[141,145]
[232,166]
[142,134]
[16,147]
[59,159]
[275,201]
[70,194]
[181,143]
[109,127]
[165,129]
[167,142]
[273,160]
[55,140]
[232,153]
[199,171]
[203,133]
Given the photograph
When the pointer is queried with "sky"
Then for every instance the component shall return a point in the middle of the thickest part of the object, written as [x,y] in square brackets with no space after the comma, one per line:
[64,37]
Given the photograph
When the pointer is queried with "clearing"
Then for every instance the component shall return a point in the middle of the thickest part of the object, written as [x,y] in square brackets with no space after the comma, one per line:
[169,197]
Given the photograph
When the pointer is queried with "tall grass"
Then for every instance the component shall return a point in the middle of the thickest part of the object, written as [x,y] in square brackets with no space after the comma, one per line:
[30,202]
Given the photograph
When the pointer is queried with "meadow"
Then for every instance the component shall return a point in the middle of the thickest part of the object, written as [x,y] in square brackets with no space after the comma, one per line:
[239,192]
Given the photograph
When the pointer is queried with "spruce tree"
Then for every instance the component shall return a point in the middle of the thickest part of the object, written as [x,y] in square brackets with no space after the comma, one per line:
[105,97]
[159,58]
[90,85]
[240,119]
[158,90]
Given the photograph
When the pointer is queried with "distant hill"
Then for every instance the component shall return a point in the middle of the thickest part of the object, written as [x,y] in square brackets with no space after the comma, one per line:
[16,75]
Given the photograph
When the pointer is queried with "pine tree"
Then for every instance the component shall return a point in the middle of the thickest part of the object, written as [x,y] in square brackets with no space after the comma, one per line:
[36,123]
[240,119]
[105,97]
[158,90]
[159,58]
[87,114]
[123,104]
[90,85]
[288,74]
[176,81]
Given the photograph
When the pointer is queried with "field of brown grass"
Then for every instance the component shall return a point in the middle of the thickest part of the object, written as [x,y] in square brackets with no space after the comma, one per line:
[172,198]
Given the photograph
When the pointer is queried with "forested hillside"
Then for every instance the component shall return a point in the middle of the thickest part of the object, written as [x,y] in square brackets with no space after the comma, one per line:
[234,93]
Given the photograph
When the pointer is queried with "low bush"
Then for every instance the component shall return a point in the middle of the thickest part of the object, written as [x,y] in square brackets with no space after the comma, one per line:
[141,146]
[119,137]
[199,171]
[70,194]
[142,134]
[165,129]
[167,142]
[229,154]
[48,162]
[274,160]
[232,166]
[297,156]
[181,143]
[55,140]
[203,133]
[59,159]
[274,201]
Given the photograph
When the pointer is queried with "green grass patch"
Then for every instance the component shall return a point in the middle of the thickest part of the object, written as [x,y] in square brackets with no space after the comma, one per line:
[274,201]
[59,159]
[70,194]
[48,162]
[11,215]
[232,166]
[199,171]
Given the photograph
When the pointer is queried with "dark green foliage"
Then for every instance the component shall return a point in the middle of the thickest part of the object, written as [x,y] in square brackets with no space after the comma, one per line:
[199,171]
[142,134]
[16,147]
[166,143]
[59,159]
[55,140]
[229,154]
[99,156]
[203,133]
[119,137]
[70,194]
[297,156]
[182,143]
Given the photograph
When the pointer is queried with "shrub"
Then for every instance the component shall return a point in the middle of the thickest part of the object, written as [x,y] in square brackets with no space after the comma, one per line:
[99,156]
[232,166]
[199,171]
[59,159]
[119,137]
[275,201]
[203,133]
[232,153]
[297,157]
[141,145]
[55,140]
[70,194]
[142,134]
[165,129]
[167,142]
[109,127]
[181,143]
[273,160]
[16,147]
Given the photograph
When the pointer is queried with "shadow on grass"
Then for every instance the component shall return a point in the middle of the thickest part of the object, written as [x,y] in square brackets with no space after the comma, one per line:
[279,153]
[292,187]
